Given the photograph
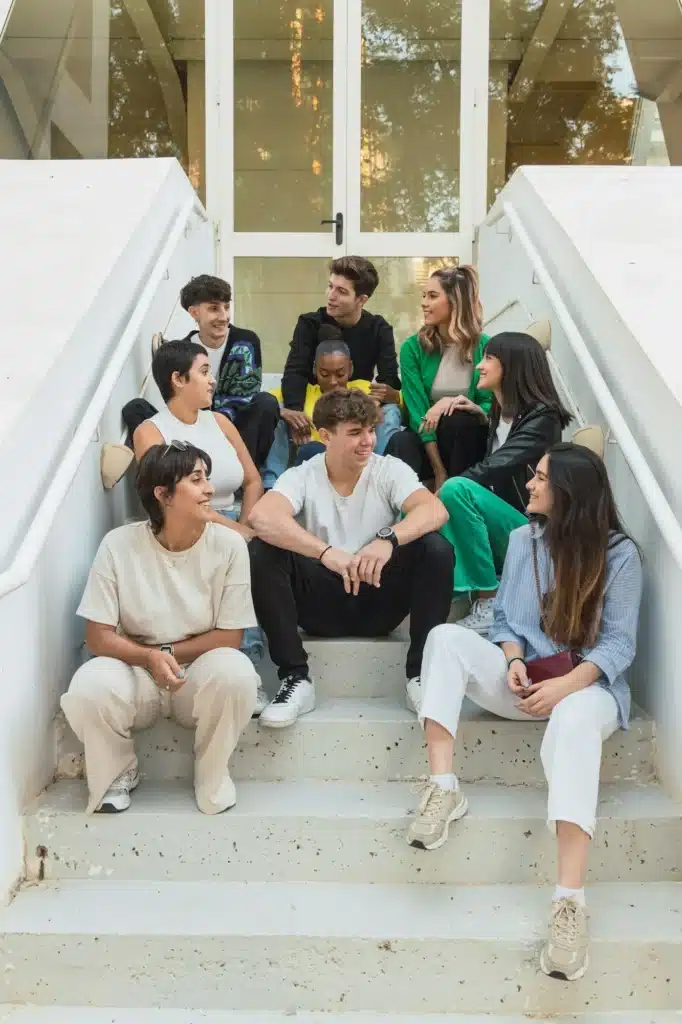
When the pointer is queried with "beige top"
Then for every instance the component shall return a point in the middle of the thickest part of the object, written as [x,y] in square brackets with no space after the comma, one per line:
[157,596]
[453,377]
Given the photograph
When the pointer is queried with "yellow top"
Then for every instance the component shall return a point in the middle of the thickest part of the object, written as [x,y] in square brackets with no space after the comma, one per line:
[313,392]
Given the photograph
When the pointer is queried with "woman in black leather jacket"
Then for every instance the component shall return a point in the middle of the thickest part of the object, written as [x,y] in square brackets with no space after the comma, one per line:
[488,500]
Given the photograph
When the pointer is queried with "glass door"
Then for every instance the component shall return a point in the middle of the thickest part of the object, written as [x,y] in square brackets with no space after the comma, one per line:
[341,126]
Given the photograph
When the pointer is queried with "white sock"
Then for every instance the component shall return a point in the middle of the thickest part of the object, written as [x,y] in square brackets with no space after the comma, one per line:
[445,781]
[561,893]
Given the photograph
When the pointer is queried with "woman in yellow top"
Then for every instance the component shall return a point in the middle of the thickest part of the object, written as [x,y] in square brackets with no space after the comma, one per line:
[447,413]
[333,370]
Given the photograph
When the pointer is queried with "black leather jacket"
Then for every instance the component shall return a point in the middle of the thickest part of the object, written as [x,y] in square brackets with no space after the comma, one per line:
[508,470]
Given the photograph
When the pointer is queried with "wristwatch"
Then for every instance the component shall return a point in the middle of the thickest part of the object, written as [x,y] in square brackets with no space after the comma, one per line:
[168,649]
[387,533]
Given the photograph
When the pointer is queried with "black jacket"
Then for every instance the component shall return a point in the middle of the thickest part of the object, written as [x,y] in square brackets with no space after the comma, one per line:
[372,349]
[508,470]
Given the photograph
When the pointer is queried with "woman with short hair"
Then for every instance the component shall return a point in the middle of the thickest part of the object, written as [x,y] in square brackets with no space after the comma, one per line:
[166,604]
[564,635]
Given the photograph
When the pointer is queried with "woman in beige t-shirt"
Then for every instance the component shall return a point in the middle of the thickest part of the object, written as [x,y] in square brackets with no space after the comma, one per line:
[166,603]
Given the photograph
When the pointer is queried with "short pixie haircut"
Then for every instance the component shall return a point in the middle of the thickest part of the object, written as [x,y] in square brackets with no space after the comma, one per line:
[347,406]
[174,357]
[205,288]
[165,465]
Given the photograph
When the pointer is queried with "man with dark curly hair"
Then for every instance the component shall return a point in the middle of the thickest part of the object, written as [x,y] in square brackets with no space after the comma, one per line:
[346,544]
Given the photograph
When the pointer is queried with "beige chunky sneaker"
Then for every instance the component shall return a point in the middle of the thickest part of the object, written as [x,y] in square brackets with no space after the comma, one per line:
[437,808]
[565,954]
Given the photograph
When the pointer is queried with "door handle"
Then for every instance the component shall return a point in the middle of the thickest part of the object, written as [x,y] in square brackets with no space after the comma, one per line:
[338,222]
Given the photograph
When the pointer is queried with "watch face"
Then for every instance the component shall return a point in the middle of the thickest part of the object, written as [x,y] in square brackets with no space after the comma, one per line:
[385,532]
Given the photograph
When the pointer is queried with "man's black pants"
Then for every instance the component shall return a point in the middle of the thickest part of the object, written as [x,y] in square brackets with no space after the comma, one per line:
[290,590]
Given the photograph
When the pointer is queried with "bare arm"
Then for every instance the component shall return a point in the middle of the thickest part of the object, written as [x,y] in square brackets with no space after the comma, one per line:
[187,651]
[253,485]
[145,436]
[273,521]
[104,642]
[424,513]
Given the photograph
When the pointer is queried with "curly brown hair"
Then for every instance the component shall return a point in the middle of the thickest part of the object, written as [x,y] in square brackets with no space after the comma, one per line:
[345,406]
[460,284]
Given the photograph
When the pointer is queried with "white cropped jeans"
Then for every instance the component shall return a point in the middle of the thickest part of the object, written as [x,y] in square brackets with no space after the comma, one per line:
[459,662]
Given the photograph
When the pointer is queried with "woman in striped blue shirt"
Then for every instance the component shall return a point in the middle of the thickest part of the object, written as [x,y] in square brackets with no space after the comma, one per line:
[570,592]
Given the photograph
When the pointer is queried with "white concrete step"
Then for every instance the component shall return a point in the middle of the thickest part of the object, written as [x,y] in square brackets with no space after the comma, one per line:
[89,1015]
[333,947]
[375,740]
[341,831]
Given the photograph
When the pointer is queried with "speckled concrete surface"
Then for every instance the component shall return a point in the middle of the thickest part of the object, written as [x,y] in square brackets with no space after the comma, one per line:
[334,831]
[79,1015]
[334,947]
[377,740]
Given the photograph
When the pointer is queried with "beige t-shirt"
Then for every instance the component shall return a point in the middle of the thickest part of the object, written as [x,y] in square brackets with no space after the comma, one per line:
[453,377]
[157,596]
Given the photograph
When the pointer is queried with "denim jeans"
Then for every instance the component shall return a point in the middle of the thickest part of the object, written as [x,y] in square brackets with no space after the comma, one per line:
[253,644]
[278,456]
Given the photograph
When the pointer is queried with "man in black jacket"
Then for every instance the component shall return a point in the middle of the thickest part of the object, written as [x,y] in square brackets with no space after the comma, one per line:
[352,282]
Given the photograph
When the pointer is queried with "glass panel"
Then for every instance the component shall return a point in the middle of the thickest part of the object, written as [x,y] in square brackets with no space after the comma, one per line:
[398,298]
[577,88]
[283,114]
[270,295]
[272,292]
[411,53]
[87,78]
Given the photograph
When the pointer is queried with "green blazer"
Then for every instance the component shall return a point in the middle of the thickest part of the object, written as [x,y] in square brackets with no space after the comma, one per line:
[418,371]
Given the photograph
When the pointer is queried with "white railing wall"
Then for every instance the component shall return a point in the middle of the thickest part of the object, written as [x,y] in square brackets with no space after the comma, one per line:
[515,280]
[40,635]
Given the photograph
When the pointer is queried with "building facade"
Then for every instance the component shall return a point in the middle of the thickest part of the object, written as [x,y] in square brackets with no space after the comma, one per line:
[312,128]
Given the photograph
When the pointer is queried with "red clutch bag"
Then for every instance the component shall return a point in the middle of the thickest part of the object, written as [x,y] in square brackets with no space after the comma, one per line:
[551,668]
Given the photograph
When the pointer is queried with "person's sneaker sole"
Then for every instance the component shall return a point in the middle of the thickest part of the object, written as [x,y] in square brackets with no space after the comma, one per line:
[285,723]
[552,972]
[455,815]
[110,809]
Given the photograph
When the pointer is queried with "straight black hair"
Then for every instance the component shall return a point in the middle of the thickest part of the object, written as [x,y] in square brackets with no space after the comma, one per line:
[174,357]
[165,465]
[526,376]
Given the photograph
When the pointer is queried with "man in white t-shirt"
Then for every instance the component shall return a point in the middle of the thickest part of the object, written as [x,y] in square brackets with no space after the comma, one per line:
[166,603]
[331,556]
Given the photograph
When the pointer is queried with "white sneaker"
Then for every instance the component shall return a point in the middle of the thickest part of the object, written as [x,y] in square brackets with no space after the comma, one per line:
[117,797]
[262,701]
[482,616]
[413,694]
[296,696]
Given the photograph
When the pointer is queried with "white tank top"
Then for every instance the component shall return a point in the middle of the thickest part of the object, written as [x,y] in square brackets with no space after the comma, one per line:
[227,474]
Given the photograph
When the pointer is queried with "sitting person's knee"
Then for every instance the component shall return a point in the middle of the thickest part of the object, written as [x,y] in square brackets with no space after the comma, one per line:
[96,679]
[231,669]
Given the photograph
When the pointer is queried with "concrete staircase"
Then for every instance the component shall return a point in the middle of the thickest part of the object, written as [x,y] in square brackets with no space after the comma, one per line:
[305,901]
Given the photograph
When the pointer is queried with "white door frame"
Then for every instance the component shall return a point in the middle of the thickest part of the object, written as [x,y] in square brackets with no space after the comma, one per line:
[347,113]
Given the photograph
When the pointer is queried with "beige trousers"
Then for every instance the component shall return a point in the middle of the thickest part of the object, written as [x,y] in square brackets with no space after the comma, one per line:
[107,699]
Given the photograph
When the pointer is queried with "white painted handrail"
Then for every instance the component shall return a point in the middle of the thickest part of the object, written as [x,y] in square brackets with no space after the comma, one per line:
[31,546]
[620,431]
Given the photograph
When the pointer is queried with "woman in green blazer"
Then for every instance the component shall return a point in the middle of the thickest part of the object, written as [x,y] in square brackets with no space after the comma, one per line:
[447,414]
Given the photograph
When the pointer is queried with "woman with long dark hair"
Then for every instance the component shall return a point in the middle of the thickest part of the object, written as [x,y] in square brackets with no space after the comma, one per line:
[564,635]
[446,409]
[487,501]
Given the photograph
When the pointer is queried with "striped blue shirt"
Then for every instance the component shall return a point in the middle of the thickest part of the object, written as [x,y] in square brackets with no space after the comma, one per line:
[517,611]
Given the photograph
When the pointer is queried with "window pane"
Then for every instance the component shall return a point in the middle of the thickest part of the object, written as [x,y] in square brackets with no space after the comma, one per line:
[401,281]
[576,86]
[86,79]
[271,293]
[410,115]
[283,115]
